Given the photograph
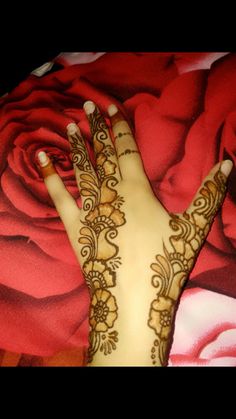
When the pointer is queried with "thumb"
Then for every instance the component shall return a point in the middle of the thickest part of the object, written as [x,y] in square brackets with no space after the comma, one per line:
[209,197]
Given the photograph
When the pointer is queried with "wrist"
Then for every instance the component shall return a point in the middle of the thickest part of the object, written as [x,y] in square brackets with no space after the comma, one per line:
[136,343]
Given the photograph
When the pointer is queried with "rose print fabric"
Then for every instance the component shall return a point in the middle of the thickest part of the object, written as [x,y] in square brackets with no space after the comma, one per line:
[183,109]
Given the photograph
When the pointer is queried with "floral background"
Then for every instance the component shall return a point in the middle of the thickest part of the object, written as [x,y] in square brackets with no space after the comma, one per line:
[183,108]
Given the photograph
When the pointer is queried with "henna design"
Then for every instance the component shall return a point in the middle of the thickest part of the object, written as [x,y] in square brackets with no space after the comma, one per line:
[128,152]
[89,186]
[100,228]
[172,269]
[98,130]
[122,134]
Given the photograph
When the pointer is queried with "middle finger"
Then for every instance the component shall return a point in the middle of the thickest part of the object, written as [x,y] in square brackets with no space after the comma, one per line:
[106,158]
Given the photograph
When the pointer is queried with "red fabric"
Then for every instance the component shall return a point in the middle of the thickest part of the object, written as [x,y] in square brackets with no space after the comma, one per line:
[184,124]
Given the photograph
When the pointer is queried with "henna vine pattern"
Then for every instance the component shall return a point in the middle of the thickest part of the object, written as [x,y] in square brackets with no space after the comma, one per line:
[103,218]
[122,134]
[128,152]
[172,269]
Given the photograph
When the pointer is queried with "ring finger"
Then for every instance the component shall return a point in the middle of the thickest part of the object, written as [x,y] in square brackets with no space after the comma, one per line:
[130,162]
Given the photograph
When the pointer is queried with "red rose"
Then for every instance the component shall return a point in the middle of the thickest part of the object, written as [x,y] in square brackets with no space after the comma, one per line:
[182,132]
[184,61]
[181,136]
[188,61]
[204,337]
[43,298]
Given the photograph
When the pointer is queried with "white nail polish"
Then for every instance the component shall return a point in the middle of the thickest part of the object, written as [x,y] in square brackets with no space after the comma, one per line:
[72,128]
[112,110]
[43,158]
[226,167]
[89,107]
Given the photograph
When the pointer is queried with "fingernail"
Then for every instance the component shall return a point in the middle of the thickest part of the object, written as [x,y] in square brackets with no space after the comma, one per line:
[114,114]
[72,128]
[226,167]
[43,159]
[89,107]
[112,110]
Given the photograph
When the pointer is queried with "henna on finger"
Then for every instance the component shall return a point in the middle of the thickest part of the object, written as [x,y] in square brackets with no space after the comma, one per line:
[86,173]
[98,127]
[79,153]
[106,158]
[128,152]
[99,130]
[124,139]
[122,134]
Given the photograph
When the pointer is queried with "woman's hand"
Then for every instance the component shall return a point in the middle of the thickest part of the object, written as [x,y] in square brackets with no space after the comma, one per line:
[135,256]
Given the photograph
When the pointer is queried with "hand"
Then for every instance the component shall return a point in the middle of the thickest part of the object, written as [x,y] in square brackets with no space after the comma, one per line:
[135,256]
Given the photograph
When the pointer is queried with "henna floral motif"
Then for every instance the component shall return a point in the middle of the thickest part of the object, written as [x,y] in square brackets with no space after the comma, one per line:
[161,316]
[98,275]
[102,219]
[103,310]
[172,268]
[104,167]
[105,215]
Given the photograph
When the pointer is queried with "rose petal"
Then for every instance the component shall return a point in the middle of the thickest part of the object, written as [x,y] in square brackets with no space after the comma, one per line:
[25,267]
[43,326]
[197,326]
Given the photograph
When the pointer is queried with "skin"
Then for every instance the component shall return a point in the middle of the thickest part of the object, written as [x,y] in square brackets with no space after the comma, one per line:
[134,254]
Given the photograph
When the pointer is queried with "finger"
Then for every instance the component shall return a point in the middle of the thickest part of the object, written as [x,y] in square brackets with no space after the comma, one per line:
[85,175]
[106,158]
[209,198]
[130,162]
[62,199]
